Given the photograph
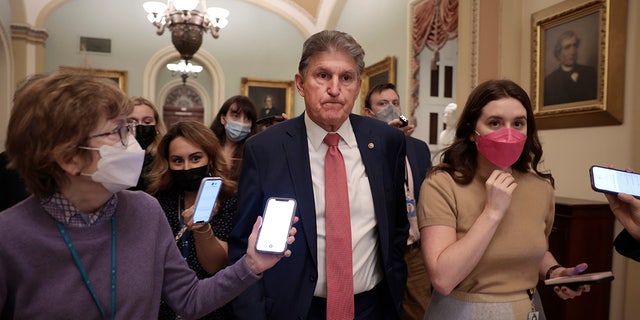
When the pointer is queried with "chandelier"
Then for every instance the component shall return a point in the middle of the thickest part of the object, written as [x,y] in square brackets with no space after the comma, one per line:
[184,69]
[186,23]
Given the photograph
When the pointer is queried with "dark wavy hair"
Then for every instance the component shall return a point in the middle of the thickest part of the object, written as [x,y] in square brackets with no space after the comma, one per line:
[199,135]
[239,104]
[460,159]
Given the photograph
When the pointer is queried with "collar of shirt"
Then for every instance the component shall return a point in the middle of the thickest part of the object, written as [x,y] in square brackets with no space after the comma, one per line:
[316,134]
[65,212]
[566,68]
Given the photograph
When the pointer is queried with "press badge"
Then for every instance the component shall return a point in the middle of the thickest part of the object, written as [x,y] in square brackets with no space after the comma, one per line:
[411,208]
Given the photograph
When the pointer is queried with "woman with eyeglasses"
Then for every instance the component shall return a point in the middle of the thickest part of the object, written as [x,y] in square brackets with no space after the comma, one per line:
[187,153]
[81,246]
[149,129]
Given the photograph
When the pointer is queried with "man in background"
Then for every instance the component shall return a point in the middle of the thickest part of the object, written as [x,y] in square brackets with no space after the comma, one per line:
[289,159]
[383,102]
[571,82]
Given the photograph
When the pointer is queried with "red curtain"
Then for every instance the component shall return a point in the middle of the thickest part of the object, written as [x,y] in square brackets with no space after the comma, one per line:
[432,24]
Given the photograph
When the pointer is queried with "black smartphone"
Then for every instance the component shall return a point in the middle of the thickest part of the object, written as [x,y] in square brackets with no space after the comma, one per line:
[276,222]
[206,199]
[405,121]
[269,119]
[614,181]
[582,279]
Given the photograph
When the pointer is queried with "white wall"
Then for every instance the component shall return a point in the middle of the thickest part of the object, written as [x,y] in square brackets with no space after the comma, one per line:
[569,153]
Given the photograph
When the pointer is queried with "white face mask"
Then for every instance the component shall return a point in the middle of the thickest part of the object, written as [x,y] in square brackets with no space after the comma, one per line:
[118,168]
[389,113]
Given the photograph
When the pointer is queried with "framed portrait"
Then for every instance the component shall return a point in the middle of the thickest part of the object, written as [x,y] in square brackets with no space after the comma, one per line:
[271,97]
[117,76]
[378,73]
[578,65]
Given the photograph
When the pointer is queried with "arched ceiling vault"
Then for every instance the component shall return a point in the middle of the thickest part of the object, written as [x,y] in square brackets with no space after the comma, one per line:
[309,16]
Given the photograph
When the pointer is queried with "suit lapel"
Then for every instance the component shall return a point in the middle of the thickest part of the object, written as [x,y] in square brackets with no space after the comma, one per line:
[295,144]
[371,148]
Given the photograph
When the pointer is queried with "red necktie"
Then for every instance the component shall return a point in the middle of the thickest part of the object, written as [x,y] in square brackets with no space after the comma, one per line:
[338,232]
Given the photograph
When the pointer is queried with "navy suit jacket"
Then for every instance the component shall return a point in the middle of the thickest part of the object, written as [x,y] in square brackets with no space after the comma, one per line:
[419,158]
[627,246]
[276,163]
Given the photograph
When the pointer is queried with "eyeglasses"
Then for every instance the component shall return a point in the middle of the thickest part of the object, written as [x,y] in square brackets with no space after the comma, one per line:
[123,132]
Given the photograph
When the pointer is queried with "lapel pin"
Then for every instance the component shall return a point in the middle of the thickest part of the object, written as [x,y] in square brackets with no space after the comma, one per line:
[370,145]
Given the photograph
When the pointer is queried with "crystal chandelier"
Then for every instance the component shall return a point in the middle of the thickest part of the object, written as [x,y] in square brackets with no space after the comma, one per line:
[184,69]
[186,23]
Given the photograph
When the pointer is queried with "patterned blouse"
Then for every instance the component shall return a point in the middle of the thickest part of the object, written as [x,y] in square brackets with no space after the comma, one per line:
[222,223]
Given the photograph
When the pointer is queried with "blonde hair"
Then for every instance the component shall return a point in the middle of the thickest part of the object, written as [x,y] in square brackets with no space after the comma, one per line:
[160,126]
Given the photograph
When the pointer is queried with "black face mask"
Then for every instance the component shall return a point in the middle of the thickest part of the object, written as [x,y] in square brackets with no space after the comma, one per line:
[145,135]
[189,180]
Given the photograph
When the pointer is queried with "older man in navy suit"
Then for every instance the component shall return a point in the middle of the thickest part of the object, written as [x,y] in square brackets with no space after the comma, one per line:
[288,159]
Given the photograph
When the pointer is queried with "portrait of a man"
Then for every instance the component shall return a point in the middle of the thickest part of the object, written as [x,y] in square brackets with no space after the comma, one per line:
[570,80]
[268,108]
[271,98]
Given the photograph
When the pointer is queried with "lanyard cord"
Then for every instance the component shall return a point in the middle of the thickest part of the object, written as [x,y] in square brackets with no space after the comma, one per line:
[85,277]
[184,232]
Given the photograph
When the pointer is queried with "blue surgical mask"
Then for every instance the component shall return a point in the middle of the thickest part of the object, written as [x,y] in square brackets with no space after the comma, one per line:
[237,131]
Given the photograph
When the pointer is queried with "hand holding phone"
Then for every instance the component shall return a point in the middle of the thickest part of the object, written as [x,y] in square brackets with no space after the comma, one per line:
[577,280]
[205,202]
[404,120]
[276,222]
[206,199]
[614,181]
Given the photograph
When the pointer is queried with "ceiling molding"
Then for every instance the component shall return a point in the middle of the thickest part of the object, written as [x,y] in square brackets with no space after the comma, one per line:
[308,16]
[301,18]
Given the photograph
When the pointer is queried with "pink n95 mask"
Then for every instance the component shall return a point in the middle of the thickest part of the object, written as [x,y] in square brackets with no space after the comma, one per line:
[501,147]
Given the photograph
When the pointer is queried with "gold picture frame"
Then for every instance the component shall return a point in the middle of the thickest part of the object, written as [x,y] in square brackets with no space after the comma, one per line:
[280,92]
[600,42]
[118,76]
[378,73]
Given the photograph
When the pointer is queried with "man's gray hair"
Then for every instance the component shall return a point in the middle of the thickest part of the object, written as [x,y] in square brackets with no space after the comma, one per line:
[331,41]
[565,35]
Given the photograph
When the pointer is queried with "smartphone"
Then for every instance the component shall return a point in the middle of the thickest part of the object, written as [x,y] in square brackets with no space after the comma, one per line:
[270,119]
[582,279]
[276,222]
[206,199]
[609,180]
[404,120]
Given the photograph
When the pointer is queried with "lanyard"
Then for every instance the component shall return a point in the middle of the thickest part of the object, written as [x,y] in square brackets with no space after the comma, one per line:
[85,277]
[408,180]
[185,236]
